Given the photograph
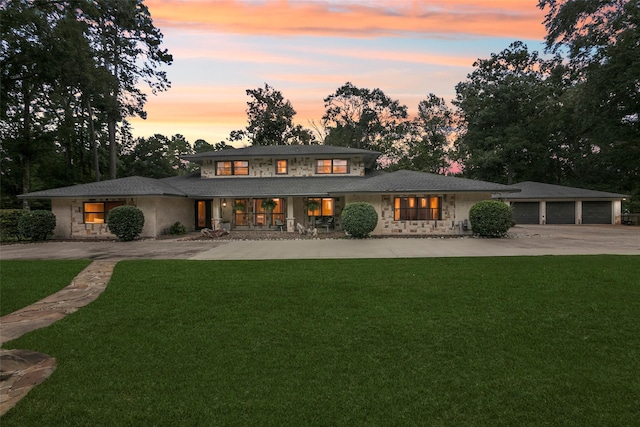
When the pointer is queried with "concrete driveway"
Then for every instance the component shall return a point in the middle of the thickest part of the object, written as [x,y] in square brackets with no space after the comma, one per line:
[524,240]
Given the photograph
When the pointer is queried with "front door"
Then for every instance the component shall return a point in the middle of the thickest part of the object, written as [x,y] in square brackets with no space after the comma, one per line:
[203,214]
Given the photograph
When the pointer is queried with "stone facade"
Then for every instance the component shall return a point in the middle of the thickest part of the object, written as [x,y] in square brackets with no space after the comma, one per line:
[159,215]
[297,167]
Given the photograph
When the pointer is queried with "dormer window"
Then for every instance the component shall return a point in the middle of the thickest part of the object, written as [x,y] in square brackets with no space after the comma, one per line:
[237,167]
[282,167]
[332,166]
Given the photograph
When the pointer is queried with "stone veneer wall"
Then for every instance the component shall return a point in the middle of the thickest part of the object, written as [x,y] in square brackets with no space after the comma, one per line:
[455,209]
[266,167]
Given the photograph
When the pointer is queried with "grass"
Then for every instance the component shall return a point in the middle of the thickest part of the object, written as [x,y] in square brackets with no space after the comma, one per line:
[25,282]
[446,341]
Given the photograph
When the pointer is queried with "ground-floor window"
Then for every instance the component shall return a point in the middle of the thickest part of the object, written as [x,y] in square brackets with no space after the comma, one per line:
[97,212]
[269,217]
[320,206]
[417,208]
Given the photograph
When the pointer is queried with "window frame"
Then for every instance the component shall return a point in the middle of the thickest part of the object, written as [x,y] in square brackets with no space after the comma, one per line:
[233,167]
[107,205]
[414,208]
[286,167]
[323,206]
[329,167]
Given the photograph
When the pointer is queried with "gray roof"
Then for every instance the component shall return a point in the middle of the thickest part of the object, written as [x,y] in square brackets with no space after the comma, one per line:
[285,151]
[538,190]
[196,187]
[404,181]
[122,187]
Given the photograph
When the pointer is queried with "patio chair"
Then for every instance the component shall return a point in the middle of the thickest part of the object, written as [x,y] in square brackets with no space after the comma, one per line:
[280,225]
[328,224]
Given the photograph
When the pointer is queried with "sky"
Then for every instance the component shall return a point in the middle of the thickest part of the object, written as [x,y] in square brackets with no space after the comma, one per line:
[307,49]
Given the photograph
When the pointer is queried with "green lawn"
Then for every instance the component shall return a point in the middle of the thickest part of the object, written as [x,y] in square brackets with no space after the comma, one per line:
[447,341]
[25,282]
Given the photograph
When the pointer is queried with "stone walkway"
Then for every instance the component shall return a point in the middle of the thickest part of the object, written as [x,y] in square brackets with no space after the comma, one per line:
[21,370]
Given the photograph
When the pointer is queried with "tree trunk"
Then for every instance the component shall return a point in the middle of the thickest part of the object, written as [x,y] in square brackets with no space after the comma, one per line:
[113,149]
[26,151]
[94,145]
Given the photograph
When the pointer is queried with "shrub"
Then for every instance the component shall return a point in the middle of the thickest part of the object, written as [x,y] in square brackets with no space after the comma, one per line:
[490,218]
[359,219]
[37,225]
[9,224]
[126,222]
[177,228]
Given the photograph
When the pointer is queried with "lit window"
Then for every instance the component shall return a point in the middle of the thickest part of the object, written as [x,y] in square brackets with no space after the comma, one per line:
[335,166]
[97,212]
[237,167]
[417,208]
[224,168]
[323,166]
[240,167]
[340,166]
[282,167]
[317,206]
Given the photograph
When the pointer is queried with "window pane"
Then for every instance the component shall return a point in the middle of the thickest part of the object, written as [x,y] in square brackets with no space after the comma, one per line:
[323,166]
[94,218]
[94,207]
[281,167]
[314,210]
[224,168]
[241,168]
[340,166]
[327,207]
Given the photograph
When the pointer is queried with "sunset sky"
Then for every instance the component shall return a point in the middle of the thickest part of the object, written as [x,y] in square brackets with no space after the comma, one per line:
[308,48]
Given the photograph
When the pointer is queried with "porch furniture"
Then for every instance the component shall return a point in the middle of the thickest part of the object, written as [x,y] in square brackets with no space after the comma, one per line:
[280,225]
[328,223]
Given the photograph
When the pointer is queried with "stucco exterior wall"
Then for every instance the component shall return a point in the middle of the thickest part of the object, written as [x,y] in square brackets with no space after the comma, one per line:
[266,167]
[159,215]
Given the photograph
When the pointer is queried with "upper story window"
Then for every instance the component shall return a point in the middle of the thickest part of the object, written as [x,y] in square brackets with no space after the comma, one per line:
[417,208]
[282,167]
[237,167]
[97,212]
[332,166]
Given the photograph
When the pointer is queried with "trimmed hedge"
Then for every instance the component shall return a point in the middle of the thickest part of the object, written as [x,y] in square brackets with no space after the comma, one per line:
[359,219]
[9,224]
[490,218]
[177,228]
[37,225]
[125,222]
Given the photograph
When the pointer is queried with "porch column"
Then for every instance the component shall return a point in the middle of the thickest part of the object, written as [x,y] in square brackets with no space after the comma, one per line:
[216,217]
[578,213]
[291,221]
[543,212]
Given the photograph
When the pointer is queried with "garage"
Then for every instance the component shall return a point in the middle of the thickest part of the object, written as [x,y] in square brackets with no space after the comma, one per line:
[526,212]
[561,212]
[596,212]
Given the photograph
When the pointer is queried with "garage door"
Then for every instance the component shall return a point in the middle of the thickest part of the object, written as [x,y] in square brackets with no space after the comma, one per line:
[526,212]
[596,212]
[561,213]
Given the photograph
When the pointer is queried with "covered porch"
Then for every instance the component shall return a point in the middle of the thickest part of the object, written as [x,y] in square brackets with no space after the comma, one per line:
[269,213]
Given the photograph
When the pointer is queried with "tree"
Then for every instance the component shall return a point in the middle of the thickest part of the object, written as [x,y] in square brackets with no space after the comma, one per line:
[506,104]
[270,120]
[603,43]
[128,46]
[364,118]
[157,157]
[428,137]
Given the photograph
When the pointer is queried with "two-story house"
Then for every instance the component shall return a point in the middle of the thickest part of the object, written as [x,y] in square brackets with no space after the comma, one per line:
[274,187]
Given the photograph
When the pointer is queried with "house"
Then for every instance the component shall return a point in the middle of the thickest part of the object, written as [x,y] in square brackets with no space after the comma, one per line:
[539,203]
[306,184]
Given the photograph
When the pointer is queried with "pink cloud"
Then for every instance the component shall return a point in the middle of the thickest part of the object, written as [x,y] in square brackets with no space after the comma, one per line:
[504,18]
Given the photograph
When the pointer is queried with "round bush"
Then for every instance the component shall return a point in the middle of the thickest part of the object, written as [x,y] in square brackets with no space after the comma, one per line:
[359,219]
[9,223]
[126,222]
[37,225]
[490,218]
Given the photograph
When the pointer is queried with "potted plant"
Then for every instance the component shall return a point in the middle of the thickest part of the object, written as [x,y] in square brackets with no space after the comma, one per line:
[269,205]
[239,207]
